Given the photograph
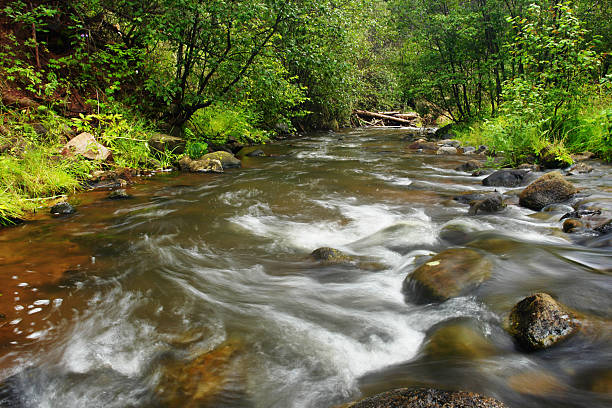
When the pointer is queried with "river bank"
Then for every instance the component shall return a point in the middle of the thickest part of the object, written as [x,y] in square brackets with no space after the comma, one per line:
[137,292]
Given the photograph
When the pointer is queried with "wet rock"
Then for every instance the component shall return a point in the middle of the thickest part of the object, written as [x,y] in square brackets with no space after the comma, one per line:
[481,172]
[469,150]
[548,158]
[447,150]
[580,214]
[62,208]
[604,228]
[451,273]
[493,203]
[330,255]
[580,168]
[423,145]
[427,398]
[467,198]
[457,233]
[506,178]
[548,189]
[539,321]
[602,382]
[198,382]
[557,208]
[570,225]
[256,153]
[201,165]
[583,156]
[450,142]
[529,166]
[537,382]
[469,166]
[458,340]
[163,143]
[86,145]
[120,194]
[227,159]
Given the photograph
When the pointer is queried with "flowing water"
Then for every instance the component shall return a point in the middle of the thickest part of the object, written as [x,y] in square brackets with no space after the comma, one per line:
[199,290]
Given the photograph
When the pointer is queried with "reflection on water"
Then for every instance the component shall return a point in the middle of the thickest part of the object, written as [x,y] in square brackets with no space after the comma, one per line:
[199,291]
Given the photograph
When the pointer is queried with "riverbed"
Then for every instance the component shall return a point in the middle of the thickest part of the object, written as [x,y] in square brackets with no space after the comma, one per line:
[199,290]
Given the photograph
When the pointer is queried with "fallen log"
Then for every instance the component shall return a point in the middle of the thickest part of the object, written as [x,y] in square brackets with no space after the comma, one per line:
[381,116]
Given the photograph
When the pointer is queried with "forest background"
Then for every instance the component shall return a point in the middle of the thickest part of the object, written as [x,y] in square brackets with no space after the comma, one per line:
[517,76]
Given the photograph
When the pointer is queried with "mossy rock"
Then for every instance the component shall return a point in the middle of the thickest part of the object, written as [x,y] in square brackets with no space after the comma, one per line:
[198,382]
[330,256]
[548,189]
[200,165]
[458,340]
[427,398]
[451,273]
[539,321]
[227,159]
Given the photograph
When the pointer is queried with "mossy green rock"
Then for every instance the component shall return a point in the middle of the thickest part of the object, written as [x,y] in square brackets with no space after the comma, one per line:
[330,255]
[451,273]
[427,398]
[458,340]
[539,321]
[548,189]
[227,159]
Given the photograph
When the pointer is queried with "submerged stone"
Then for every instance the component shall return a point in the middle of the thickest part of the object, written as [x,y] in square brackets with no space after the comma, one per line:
[330,255]
[451,273]
[62,208]
[536,382]
[120,194]
[548,189]
[458,340]
[427,398]
[539,321]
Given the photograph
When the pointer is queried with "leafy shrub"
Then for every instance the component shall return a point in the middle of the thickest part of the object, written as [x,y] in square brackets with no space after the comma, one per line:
[220,124]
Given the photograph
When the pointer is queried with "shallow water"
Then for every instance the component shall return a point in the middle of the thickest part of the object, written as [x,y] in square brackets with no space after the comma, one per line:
[105,307]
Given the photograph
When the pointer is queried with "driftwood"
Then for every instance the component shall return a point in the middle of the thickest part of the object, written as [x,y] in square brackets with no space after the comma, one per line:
[399,119]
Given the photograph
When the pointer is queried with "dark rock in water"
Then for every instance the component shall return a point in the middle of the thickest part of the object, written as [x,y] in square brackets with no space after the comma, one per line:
[506,178]
[468,166]
[604,228]
[469,197]
[120,194]
[557,208]
[427,398]
[570,225]
[539,321]
[62,208]
[548,159]
[330,255]
[493,203]
[2,316]
[451,273]
[580,214]
[548,189]
[256,153]
[469,150]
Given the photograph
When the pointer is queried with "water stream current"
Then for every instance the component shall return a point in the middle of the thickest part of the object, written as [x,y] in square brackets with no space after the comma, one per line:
[198,291]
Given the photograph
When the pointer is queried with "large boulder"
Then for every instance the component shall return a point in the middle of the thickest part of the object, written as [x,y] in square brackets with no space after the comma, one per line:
[200,165]
[330,256]
[506,178]
[451,273]
[539,321]
[163,143]
[227,159]
[548,189]
[85,145]
[427,398]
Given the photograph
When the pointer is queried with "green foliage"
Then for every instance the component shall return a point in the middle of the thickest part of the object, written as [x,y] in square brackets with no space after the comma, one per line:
[221,123]
[195,149]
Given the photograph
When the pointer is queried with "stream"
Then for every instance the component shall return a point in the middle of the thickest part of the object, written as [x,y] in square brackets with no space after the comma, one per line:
[199,292]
